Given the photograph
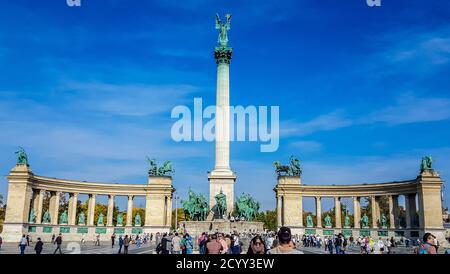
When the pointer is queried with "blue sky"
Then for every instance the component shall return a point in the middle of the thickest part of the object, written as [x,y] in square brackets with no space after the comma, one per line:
[363,92]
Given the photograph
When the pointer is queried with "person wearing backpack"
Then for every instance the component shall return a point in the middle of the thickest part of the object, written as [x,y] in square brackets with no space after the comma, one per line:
[428,245]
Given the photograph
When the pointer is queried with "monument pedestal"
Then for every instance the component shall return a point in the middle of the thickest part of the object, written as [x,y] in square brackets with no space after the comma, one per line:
[196,228]
[222,181]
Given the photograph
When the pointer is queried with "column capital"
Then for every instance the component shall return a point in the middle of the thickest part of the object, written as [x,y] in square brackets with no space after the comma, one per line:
[130,197]
[223,55]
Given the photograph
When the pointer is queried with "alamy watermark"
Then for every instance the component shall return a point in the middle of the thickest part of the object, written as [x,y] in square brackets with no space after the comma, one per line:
[252,124]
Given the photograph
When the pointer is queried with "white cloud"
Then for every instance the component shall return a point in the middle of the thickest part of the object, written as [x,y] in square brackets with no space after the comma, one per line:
[410,109]
[325,122]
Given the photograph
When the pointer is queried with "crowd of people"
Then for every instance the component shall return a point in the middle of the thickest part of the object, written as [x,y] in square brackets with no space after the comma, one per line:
[271,242]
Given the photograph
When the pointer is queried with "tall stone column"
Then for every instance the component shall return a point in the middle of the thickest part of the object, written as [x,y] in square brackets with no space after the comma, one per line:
[73,200]
[109,214]
[222,178]
[279,211]
[356,212]
[374,212]
[391,212]
[319,211]
[337,206]
[54,207]
[130,211]
[91,209]
[38,208]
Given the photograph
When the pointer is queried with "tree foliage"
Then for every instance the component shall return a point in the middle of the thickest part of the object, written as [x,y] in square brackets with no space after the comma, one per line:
[269,218]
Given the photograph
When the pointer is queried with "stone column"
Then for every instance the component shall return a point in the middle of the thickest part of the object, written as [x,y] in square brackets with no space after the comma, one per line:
[337,206]
[54,207]
[396,210]
[169,210]
[73,200]
[391,212]
[91,209]
[319,211]
[374,212]
[356,212]
[130,211]
[410,204]
[109,214]
[279,211]
[223,58]
[38,209]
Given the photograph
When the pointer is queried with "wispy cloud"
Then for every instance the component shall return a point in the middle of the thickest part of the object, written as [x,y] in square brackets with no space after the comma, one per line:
[326,122]
[410,109]
[307,146]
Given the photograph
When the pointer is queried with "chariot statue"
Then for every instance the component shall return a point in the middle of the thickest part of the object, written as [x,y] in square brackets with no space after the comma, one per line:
[22,158]
[426,164]
[293,169]
[164,170]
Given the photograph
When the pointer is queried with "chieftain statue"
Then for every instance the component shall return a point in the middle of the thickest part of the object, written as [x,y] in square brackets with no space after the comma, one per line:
[165,170]
[328,221]
[32,216]
[196,207]
[346,221]
[246,207]
[46,218]
[383,221]
[426,164]
[137,220]
[293,169]
[22,158]
[81,218]
[309,221]
[120,219]
[223,29]
[100,219]
[365,221]
[63,217]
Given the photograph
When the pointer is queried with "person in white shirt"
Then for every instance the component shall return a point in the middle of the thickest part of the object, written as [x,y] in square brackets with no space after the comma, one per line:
[23,244]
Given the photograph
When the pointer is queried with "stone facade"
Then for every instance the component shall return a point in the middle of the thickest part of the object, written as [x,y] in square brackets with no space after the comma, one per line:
[26,190]
[427,188]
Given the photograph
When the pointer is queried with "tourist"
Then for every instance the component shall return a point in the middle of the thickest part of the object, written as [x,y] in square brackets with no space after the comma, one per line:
[28,240]
[82,239]
[97,240]
[23,244]
[126,244]
[236,244]
[58,242]
[113,239]
[120,244]
[257,246]
[38,246]
[428,246]
[269,241]
[228,241]
[285,245]
[202,243]
[53,239]
[1,242]
[188,244]
[176,244]
[224,244]
[213,246]
[138,241]
[165,244]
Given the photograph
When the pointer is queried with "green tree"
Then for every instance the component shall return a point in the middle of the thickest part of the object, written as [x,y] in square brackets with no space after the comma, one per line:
[269,218]
[181,216]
